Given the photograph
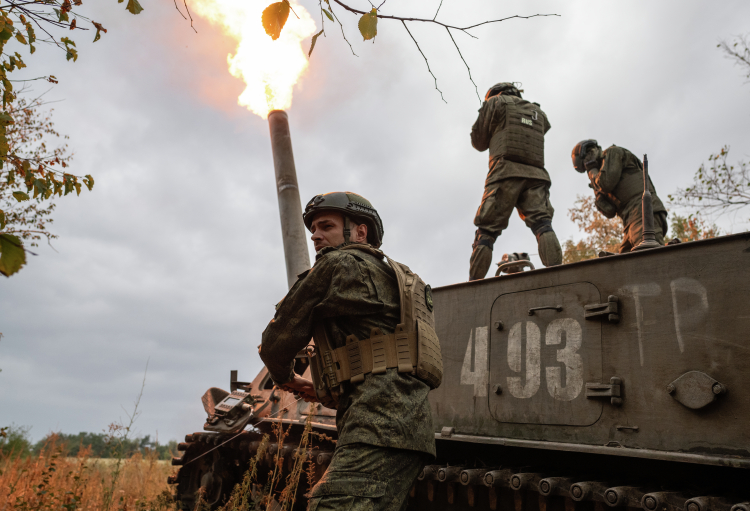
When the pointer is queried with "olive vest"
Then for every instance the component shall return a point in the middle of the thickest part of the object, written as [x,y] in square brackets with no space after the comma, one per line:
[521,139]
[413,348]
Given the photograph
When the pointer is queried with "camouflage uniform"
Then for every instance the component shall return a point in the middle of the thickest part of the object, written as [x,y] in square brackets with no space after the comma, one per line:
[618,185]
[384,424]
[509,185]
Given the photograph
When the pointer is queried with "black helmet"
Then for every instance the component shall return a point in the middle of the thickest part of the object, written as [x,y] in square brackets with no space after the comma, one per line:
[351,205]
[504,88]
[579,152]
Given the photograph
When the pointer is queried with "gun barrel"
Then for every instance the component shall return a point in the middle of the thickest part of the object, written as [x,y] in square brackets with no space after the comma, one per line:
[290,208]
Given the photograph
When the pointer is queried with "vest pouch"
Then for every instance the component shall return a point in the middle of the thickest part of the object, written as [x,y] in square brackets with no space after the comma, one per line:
[429,358]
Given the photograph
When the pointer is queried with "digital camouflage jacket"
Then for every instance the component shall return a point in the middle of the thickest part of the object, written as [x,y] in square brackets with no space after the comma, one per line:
[485,135]
[352,290]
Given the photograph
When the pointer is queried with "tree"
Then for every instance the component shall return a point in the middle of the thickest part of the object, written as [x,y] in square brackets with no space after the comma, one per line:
[275,16]
[722,187]
[692,228]
[602,233]
[24,158]
[738,51]
[37,166]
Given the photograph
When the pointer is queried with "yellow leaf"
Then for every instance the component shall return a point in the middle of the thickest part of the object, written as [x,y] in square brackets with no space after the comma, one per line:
[274,18]
[368,24]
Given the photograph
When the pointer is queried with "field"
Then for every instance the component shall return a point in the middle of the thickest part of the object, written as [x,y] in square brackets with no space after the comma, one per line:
[48,480]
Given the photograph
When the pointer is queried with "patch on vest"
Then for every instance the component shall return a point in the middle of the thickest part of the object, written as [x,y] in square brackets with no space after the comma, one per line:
[524,120]
[428,297]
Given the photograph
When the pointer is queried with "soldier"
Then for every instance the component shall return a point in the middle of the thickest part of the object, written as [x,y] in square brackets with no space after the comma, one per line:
[616,175]
[513,129]
[353,299]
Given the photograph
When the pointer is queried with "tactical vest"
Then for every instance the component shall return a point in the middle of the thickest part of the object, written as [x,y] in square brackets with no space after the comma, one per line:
[413,348]
[522,138]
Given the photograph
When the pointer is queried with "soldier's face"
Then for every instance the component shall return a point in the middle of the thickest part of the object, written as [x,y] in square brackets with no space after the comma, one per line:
[328,230]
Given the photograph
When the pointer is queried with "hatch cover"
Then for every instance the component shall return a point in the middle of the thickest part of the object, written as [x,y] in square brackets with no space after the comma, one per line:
[543,354]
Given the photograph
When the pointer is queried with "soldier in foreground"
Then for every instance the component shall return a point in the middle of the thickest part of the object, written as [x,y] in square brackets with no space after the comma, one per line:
[352,300]
[513,129]
[616,176]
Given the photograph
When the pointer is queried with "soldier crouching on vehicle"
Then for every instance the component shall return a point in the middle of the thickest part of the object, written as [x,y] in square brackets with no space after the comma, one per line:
[513,129]
[616,176]
[373,316]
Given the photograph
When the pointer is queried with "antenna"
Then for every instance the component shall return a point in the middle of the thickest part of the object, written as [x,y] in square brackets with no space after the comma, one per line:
[647,214]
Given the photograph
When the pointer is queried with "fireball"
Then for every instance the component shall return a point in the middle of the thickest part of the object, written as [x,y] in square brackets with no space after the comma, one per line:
[270,69]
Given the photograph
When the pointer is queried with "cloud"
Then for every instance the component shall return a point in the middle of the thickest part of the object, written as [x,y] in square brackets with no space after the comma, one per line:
[176,257]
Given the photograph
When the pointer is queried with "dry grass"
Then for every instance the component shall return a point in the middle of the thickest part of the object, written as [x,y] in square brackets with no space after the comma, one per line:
[51,481]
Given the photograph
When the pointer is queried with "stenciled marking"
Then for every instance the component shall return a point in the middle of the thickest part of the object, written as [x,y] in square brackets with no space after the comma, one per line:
[533,377]
[568,356]
[696,313]
[478,376]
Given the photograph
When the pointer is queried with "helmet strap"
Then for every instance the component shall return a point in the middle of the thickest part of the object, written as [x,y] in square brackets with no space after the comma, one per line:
[347,230]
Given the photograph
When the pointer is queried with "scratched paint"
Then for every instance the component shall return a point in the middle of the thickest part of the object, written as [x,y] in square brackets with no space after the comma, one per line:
[478,376]
[516,386]
[690,315]
[568,356]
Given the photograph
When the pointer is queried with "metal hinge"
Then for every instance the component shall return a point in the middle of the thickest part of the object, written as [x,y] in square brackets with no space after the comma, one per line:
[609,310]
[612,391]
[446,432]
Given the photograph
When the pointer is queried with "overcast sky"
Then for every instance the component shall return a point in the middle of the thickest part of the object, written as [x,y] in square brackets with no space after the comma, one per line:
[176,256]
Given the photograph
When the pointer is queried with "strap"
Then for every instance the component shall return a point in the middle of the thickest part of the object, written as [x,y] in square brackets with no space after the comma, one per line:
[375,355]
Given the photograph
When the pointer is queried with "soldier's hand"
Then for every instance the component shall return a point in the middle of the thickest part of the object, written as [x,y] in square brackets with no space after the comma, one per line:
[301,387]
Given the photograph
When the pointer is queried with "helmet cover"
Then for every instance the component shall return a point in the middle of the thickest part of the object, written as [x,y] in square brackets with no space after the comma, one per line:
[357,208]
[579,152]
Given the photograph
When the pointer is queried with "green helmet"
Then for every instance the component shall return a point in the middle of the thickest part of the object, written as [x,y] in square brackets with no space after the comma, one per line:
[352,206]
[579,153]
[503,88]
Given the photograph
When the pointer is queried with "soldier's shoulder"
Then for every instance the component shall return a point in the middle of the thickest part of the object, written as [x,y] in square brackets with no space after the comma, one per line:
[614,149]
[347,253]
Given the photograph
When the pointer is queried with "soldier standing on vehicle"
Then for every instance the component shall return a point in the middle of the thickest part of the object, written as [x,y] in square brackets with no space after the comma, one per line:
[351,302]
[616,176]
[513,129]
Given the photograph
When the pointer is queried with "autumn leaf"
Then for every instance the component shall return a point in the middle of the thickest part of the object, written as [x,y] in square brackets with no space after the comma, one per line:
[328,15]
[99,30]
[20,196]
[6,119]
[368,24]
[20,38]
[73,24]
[134,7]
[274,18]
[12,254]
[2,219]
[88,181]
[312,44]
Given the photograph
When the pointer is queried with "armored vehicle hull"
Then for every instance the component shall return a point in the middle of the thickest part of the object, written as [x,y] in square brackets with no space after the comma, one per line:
[614,382]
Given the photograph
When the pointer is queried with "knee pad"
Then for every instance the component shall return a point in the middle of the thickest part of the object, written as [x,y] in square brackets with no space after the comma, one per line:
[483,238]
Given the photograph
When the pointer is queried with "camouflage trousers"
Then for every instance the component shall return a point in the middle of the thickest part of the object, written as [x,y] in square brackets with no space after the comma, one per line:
[529,196]
[632,234]
[364,477]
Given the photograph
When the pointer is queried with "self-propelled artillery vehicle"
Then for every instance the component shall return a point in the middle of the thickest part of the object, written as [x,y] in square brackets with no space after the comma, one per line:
[616,382]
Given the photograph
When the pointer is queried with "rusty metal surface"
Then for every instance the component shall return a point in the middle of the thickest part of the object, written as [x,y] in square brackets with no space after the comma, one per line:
[681,308]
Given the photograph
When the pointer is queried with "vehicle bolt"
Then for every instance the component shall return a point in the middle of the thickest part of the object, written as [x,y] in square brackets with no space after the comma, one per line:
[611,497]
[718,388]
[576,491]
[693,506]
[498,325]
[544,487]
[498,389]
[650,503]
[670,389]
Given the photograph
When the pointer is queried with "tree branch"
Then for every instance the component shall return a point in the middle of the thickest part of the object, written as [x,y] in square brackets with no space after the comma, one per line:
[425,61]
[462,29]
[467,65]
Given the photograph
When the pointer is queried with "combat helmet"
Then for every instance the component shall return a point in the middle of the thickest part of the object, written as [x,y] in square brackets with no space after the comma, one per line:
[504,88]
[352,206]
[579,152]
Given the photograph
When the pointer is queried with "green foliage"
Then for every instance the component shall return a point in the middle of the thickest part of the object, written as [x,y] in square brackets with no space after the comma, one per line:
[12,254]
[14,441]
[368,24]
[274,18]
[602,233]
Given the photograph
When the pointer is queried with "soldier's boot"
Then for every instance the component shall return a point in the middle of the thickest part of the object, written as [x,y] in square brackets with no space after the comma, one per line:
[550,251]
[481,255]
